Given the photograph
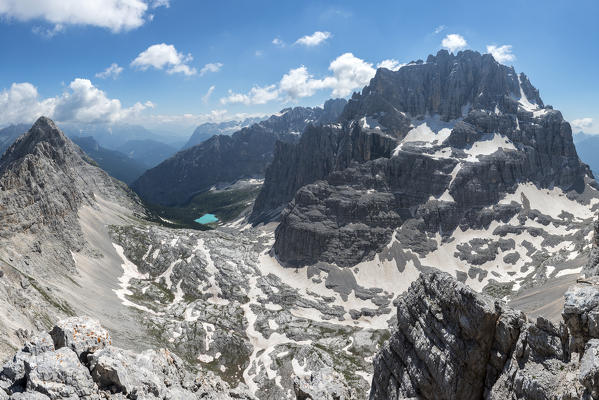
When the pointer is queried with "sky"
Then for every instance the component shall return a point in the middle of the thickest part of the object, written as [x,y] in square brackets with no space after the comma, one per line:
[170,65]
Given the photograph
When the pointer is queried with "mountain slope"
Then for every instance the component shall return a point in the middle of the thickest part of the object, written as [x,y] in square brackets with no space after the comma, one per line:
[115,163]
[54,202]
[226,159]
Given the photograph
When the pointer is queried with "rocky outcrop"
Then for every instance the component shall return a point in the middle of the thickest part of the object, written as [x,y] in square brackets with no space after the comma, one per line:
[320,151]
[225,159]
[453,343]
[440,142]
[77,360]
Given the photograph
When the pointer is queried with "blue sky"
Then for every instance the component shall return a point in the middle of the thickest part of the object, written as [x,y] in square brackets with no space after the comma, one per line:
[169,54]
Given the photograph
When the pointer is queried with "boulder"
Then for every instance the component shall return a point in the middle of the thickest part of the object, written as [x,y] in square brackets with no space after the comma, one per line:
[83,335]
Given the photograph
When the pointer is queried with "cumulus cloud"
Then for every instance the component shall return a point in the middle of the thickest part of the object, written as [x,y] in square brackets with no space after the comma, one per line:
[314,39]
[278,42]
[439,29]
[390,64]
[113,71]
[161,56]
[501,54]
[348,73]
[206,97]
[257,95]
[81,101]
[210,67]
[116,15]
[21,104]
[581,124]
[454,42]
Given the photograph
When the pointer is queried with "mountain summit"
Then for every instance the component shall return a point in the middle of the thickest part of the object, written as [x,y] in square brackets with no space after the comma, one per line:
[459,143]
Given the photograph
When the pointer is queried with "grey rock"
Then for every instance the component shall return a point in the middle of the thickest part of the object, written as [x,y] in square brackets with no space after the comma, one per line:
[454,343]
[28,396]
[106,372]
[83,335]
[59,374]
[589,368]
[325,384]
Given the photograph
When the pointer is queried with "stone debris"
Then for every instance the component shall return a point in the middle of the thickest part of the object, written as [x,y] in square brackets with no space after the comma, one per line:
[76,361]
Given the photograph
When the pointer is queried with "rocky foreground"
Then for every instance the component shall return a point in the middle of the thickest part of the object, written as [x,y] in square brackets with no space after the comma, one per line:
[454,343]
[76,360]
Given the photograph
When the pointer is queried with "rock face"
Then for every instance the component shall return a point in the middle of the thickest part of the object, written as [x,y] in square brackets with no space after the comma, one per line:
[225,159]
[77,361]
[453,343]
[440,144]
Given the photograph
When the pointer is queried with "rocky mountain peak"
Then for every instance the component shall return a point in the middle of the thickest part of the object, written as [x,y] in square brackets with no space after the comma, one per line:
[446,84]
[45,140]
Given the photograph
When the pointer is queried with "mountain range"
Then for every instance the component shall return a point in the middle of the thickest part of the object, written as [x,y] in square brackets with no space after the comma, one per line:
[225,159]
[208,129]
[384,257]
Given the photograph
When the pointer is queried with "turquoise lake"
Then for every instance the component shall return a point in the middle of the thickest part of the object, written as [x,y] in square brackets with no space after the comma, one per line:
[207,219]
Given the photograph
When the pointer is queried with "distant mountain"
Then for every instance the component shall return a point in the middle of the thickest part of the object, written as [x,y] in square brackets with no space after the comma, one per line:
[115,135]
[587,147]
[147,151]
[9,134]
[224,158]
[115,163]
[209,129]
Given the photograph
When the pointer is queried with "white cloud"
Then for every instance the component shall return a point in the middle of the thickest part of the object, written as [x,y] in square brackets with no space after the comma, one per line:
[501,54]
[210,67]
[348,73]
[206,97]
[454,42]
[439,29]
[113,71]
[21,104]
[86,103]
[314,39]
[390,64]
[80,102]
[278,42]
[257,95]
[299,83]
[258,53]
[161,3]
[116,15]
[582,123]
[48,32]
[164,55]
